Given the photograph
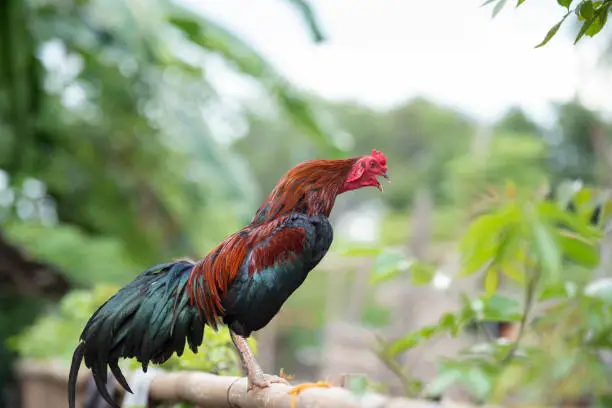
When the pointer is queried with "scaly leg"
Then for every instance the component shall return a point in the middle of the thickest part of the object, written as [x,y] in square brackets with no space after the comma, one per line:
[255,373]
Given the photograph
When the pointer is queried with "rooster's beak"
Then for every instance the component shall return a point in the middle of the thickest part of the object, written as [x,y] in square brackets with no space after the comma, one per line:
[386,176]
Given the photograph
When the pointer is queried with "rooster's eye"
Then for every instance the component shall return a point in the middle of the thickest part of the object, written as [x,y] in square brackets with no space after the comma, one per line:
[372,163]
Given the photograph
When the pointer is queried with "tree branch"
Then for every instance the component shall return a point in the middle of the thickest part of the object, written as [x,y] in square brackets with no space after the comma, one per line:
[23,275]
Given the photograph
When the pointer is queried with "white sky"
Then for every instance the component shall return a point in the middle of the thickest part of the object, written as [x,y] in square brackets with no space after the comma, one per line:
[383,52]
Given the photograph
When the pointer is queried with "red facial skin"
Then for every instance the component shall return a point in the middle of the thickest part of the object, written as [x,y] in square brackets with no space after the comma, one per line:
[365,171]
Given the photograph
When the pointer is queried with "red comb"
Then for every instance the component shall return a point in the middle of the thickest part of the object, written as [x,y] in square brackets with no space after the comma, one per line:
[379,156]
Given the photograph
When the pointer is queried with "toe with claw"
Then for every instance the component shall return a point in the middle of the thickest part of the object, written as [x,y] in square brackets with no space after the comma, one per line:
[264,381]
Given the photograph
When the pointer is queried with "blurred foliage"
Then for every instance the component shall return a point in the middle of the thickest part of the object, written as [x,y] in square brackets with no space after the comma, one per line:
[417,137]
[47,337]
[110,106]
[519,155]
[115,129]
[592,16]
[548,246]
[119,148]
[577,151]
[216,354]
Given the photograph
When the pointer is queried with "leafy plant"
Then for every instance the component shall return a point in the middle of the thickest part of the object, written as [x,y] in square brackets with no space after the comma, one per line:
[546,247]
[593,16]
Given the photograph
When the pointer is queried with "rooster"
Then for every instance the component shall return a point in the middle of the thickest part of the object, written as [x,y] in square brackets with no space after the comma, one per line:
[241,283]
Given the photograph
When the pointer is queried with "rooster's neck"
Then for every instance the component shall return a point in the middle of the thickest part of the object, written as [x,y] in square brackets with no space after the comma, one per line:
[310,187]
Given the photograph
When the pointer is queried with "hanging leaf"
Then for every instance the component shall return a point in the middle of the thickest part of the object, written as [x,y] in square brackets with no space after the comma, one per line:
[513,271]
[551,33]
[580,225]
[445,379]
[478,382]
[585,26]
[552,290]
[387,264]
[582,252]
[421,273]
[487,2]
[491,281]
[586,10]
[498,7]
[413,339]
[501,308]
[481,243]
[307,13]
[546,248]
[600,20]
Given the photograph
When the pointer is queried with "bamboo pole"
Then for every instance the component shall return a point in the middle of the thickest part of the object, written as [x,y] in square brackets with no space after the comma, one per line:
[212,391]
[208,390]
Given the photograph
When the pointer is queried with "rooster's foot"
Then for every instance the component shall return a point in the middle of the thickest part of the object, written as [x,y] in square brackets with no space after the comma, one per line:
[295,391]
[264,381]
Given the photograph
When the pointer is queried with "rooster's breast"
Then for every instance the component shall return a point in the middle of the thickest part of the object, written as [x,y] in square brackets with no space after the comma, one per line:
[252,301]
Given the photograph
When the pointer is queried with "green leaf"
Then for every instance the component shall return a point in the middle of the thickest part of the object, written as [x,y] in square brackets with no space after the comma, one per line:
[554,215]
[421,273]
[478,261]
[357,384]
[551,33]
[308,15]
[565,192]
[552,290]
[565,3]
[412,339]
[491,281]
[601,18]
[586,10]
[583,200]
[498,7]
[446,378]
[595,27]
[479,383]
[583,30]
[510,248]
[579,251]
[606,211]
[512,271]
[563,366]
[487,2]
[481,243]
[387,264]
[519,2]
[546,248]
[501,308]
[448,321]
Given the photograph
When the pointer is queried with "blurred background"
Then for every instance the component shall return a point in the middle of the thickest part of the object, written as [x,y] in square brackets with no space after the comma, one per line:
[137,131]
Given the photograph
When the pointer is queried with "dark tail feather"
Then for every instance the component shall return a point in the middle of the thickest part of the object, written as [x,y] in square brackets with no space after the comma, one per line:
[77,357]
[148,319]
[119,377]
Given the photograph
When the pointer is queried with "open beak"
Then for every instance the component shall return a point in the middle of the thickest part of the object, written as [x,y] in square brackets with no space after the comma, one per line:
[386,176]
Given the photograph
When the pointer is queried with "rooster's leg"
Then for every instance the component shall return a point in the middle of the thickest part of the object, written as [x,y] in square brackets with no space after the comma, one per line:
[255,373]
